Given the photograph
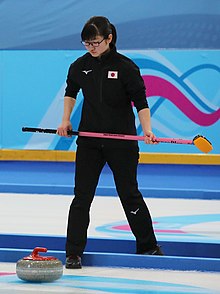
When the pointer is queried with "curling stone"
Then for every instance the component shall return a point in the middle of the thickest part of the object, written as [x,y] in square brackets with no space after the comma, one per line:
[36,268]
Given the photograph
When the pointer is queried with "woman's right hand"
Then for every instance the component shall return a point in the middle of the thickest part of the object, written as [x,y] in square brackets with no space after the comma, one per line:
[64,128]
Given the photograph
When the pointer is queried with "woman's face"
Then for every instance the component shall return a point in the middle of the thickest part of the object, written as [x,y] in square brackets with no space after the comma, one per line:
[98,46]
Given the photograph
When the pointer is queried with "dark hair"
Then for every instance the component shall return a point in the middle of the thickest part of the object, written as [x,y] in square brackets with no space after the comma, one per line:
[98,26]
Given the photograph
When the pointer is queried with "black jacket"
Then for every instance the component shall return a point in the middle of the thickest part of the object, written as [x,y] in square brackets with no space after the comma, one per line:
[109,85]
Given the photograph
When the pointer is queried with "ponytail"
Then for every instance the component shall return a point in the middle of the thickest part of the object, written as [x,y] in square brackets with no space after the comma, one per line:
[114,35]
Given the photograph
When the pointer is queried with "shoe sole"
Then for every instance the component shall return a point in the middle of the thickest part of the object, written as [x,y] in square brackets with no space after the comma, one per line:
[73,267]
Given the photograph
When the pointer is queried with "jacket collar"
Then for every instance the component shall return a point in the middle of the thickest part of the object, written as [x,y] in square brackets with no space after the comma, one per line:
[106,56]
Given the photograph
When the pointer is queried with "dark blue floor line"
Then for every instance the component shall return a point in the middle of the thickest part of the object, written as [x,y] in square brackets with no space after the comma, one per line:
[110,191]
[155,180]
[171,248]
[126,260]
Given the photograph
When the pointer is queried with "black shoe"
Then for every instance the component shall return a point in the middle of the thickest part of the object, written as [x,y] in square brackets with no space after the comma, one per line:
[155,251]
[73,261]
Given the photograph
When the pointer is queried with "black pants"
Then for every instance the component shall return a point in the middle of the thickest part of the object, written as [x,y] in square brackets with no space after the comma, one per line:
[123,163]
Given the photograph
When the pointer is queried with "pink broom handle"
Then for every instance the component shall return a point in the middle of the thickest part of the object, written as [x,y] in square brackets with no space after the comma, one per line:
[199,141]
[132,137]
[108,136]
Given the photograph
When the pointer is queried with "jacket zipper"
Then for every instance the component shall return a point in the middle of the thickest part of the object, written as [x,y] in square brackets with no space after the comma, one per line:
[100,86]
[101,81]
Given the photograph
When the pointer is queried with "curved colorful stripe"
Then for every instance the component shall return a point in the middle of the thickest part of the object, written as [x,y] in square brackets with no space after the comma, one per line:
[160,87]
[126,228]
[200,67]
[151,64]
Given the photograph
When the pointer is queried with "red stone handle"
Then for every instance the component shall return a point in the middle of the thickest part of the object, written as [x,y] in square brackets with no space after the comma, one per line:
[37,250]
[35,255]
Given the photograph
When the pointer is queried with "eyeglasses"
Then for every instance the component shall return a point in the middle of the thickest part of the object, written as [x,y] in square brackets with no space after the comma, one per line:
[93,44]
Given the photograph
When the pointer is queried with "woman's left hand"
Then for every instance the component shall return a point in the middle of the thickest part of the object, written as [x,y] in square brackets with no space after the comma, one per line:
[150,138]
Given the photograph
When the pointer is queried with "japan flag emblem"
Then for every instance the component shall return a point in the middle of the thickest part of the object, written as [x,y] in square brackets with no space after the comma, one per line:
[112,74]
